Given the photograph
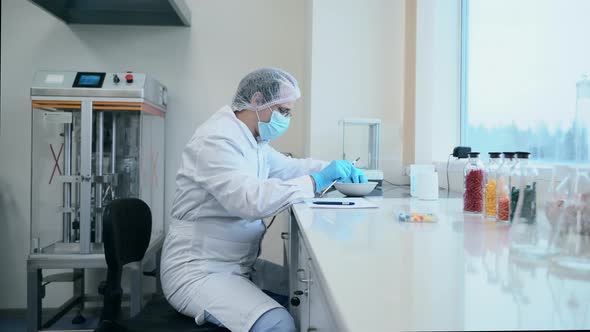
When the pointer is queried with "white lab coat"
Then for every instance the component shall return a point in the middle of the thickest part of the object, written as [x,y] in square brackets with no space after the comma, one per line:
[226,183]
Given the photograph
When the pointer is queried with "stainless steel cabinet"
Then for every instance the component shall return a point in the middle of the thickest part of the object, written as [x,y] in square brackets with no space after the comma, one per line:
[320,317]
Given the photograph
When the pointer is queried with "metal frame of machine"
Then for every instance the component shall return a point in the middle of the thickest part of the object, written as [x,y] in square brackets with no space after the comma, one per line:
[59,95]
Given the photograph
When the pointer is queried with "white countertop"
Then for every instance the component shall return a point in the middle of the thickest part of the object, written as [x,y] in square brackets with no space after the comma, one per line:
[459,273]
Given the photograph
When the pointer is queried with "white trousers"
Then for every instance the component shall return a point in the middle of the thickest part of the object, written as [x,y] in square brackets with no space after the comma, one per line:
[214,267]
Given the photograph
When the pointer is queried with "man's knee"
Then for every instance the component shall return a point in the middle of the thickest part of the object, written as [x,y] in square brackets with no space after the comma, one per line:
[277,319]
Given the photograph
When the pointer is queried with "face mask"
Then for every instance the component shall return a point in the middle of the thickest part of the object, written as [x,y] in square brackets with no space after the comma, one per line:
[276,127]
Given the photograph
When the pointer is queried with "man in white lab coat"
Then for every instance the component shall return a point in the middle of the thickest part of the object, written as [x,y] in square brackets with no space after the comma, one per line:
[229,179]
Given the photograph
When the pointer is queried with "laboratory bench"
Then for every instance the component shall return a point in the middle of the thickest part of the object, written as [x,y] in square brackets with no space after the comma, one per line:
[363,270]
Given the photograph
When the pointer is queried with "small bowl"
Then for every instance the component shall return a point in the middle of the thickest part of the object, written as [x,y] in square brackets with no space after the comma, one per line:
[355,189]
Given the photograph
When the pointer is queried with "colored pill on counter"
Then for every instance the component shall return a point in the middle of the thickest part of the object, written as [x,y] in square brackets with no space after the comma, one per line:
[416,217]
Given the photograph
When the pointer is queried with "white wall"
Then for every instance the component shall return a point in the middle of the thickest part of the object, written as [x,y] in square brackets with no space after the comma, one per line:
[357,70]
[201,66]
[438,49]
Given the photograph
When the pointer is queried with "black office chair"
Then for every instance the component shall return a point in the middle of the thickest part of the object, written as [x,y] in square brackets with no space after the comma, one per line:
[127,226]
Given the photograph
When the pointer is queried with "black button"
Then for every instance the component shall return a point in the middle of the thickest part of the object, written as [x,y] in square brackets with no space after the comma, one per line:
[295,301]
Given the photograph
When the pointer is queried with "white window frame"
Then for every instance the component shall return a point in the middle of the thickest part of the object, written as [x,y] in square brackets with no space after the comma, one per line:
[464,65]
[437,86]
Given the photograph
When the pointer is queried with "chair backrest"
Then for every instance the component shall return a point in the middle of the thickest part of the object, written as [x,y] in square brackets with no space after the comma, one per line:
[127,227]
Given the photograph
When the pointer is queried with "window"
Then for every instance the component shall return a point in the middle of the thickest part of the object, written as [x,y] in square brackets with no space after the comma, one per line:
[521,62]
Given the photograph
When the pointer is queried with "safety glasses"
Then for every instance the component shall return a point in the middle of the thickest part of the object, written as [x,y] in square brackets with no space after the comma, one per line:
[284,111]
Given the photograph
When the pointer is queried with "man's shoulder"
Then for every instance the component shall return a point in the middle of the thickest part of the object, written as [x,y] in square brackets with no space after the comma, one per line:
[220,124]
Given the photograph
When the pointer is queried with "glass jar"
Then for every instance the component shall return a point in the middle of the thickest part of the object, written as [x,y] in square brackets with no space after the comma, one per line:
[572,240]
[503,187]
[473,189]
[491,184]
[582,202]
[559,194]
[523,196]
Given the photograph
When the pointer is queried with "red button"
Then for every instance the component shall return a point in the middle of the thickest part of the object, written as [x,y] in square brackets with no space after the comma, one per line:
[129,78]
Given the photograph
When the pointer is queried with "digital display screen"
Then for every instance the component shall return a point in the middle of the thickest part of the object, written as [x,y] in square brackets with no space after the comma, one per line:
[89,80]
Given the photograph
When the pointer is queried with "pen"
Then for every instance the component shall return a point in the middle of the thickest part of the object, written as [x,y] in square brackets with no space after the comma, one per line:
[331,184]
[333,203]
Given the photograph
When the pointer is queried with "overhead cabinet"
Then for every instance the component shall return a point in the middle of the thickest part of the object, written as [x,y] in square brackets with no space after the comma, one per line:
[120,12]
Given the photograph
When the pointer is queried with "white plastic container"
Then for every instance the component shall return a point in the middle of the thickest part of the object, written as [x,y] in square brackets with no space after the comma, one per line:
[427,186]
[416,170]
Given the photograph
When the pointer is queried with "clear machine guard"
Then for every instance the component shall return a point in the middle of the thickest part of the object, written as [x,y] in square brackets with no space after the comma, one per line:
[360,138]
[96,137]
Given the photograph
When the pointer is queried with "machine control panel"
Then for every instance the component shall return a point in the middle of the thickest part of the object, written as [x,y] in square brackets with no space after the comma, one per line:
[88,80]
[99,84]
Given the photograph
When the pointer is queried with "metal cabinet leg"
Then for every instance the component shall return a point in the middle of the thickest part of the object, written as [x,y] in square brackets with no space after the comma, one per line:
[34,300]
[78,285]
[158,281]
[78,292]
[136,295]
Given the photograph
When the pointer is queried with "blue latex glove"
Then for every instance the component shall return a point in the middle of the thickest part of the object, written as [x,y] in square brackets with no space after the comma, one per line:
[337,170]
[357,176]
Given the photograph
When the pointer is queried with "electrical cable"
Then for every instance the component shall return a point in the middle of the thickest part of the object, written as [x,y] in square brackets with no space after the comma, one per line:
[396,185]
[271,221]
[448,182]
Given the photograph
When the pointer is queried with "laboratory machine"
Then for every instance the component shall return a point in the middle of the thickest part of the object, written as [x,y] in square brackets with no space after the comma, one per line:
[360,138]
[96,137]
